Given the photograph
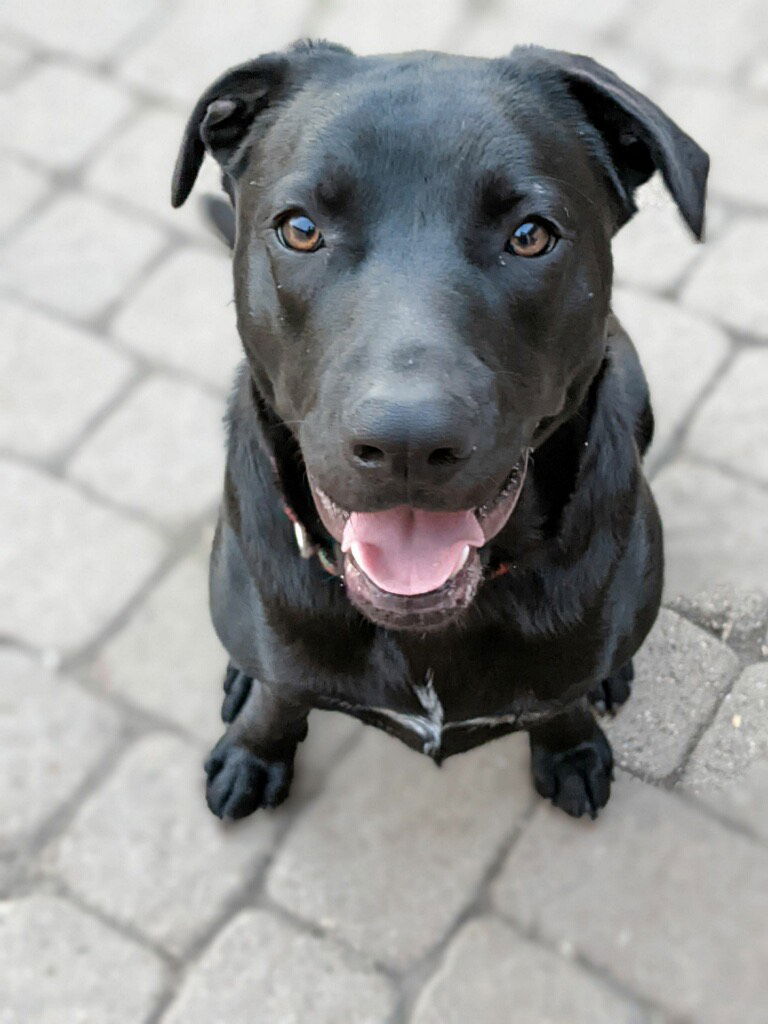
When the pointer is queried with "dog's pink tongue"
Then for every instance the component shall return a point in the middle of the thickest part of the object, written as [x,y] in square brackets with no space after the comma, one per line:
[409,550]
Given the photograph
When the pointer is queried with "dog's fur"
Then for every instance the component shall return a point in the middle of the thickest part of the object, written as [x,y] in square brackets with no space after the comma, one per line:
[418,167]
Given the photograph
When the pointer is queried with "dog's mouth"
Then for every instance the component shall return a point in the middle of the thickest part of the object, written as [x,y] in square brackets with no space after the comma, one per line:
[413,568]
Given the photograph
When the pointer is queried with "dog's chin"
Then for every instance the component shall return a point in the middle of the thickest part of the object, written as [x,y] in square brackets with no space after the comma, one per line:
[432,609]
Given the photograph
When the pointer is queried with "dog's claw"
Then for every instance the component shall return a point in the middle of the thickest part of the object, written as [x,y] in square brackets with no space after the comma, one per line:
[578,780]
[608,696]
[239,782]
[237,686]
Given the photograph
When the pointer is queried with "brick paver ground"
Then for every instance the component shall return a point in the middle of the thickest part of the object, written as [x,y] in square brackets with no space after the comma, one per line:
[385,892]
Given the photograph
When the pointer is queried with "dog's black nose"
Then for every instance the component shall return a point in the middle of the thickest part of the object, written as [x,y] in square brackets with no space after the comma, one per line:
[420,440]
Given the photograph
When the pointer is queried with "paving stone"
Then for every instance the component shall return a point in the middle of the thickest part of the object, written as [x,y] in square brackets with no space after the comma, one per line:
[681,672]
[67,564]
[731,427]
[679,351]
[194,44]
[167,659]
[393,849]
[738,616]
[660,25]
[757,77]
[161,451]
[729,768]
[184,315]
[60,966]
[78,256]
[136,167]
[84,27]
[330,732]
[496,28]
[494,31]
[739,154]
[729,283]
[52,735]
[53,379]
[261,970]
[488,969]
[66,111]
[20,189]
[147,851]
[398,26]
[713,529]
[12,60]
[655,248]
[665,900]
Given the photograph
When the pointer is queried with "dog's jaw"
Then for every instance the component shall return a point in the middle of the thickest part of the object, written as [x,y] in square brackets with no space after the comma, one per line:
[418,609]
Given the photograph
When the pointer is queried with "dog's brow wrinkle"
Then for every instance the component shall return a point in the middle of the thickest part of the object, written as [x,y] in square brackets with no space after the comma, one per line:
[572,187]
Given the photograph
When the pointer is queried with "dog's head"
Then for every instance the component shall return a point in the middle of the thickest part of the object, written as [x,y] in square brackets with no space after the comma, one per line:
[422,277]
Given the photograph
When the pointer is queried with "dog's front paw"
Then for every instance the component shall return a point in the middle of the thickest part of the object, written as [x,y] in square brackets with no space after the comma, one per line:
[577,780]
[239,782]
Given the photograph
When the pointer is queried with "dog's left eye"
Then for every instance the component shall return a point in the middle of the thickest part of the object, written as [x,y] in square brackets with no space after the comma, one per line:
[533,237]
[298,231]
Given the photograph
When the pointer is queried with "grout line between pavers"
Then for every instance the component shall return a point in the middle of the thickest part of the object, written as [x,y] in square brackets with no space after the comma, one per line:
[672,779]
[141,721]
[181,545]
[653,1012]
[107,67]
[32,849]
[727,470]
[135,935]
[161,529]
[252,896]
[60,460]
[673,448]
[721,818]
[417,977]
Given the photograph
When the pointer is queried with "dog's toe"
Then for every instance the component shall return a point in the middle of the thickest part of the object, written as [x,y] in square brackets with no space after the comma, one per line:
[237,686]
[608,696]
[577,780]
[239,782]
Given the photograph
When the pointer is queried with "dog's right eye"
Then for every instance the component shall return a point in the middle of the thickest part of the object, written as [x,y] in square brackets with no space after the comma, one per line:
[534,237]
[299,232]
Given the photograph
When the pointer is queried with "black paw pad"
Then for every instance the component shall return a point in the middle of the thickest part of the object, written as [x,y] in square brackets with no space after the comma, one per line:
[239,782]
[576,780]
[608,696]
[237,686]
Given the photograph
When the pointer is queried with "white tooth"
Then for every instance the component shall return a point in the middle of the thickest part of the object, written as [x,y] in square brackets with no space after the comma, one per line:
[355,551]
[464,557]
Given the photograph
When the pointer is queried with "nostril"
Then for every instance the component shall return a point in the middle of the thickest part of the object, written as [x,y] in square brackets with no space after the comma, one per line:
[368,454]
[443,457]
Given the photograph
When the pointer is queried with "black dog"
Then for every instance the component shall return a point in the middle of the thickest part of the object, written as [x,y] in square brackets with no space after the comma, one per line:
[437,406]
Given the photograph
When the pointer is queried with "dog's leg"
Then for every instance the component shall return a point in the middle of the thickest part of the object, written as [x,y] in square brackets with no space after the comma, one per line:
[252,764]
[608,696]
[572,762]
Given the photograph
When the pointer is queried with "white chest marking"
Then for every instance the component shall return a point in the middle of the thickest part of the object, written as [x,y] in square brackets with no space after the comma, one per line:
[431,725]
[428,726]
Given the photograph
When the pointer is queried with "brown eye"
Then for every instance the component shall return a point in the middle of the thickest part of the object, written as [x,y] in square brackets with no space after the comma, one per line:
[532,238]
[298,231]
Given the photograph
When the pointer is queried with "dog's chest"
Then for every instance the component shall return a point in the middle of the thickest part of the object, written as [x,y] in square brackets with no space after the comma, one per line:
[430,731]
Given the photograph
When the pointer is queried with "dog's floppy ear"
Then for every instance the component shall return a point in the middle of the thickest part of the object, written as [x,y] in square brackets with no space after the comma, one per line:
[223,115]
[639,136]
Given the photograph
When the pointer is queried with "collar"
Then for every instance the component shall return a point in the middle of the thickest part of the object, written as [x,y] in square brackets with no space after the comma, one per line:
[309,548]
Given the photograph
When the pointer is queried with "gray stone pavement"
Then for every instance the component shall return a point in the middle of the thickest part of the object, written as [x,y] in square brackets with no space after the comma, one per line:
[385,891]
